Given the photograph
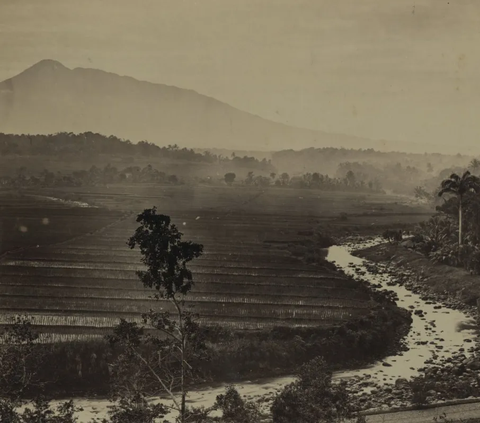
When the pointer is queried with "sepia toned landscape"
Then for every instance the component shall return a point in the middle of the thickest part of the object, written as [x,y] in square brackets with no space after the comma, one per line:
[209,213]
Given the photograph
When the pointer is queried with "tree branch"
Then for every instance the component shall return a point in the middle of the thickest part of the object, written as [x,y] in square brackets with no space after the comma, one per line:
[159,379]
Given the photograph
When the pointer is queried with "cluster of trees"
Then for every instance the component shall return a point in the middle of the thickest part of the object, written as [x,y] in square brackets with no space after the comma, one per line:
[351,182]
[397,177]
[329,158]
[452,236]
[89,144]
[94,176]
[398,172]
[162,355]
[429,189]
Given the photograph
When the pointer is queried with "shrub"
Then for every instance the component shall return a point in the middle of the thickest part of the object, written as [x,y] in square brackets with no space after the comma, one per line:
[313,397]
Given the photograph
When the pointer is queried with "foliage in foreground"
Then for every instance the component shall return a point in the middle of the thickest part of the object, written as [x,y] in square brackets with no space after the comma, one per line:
[128,407]
[313,398]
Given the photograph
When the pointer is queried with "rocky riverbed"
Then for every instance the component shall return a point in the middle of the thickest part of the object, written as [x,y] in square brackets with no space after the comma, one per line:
[443,344]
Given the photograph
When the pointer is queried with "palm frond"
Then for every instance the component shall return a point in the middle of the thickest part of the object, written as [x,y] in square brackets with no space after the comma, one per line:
[446,191]
[448,184]
[454,177]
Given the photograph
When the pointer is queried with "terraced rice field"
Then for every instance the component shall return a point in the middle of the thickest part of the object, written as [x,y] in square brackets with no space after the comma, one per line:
[81,287]
[27,221]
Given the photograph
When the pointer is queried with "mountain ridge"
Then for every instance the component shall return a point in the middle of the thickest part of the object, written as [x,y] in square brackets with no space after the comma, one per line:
[49,97]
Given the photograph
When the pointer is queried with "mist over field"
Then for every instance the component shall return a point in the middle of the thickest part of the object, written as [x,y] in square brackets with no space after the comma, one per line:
[239,212]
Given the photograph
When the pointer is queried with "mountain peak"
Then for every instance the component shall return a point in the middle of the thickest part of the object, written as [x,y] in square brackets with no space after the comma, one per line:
[48,65]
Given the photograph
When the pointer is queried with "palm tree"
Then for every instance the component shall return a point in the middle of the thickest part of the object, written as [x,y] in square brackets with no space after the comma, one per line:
[475,164]
[459,186]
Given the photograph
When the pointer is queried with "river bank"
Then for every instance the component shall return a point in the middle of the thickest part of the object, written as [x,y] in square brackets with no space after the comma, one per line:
[454,287]
[435,340]
[450,372]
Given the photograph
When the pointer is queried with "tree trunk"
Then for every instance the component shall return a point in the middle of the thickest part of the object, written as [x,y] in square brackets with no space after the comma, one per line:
[184,393]
[459,220]
[182,357]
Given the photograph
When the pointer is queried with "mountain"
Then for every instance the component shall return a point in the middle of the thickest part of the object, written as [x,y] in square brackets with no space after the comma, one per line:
[50,98]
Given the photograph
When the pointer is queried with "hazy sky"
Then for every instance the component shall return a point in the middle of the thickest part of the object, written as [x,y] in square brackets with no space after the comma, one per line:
[384,69]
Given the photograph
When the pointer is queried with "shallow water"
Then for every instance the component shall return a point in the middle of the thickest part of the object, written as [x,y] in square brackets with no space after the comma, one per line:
[439,328]
[66,202]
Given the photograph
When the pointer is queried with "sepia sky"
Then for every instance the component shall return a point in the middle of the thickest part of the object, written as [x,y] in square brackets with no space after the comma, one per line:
[383,69]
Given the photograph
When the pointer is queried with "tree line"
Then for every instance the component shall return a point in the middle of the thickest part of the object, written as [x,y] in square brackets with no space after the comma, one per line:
[313,180]
[89,144]
[136,175]
[94,176]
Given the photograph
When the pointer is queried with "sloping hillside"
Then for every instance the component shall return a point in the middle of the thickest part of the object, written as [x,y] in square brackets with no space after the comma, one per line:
[49,98]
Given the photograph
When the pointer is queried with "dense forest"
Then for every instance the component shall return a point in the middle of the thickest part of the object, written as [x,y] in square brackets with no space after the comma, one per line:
[91,144]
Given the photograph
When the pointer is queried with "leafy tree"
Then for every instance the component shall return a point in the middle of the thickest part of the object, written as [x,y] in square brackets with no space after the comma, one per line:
[230,178]
[235,409]
[42,412]
[160,362]
[313,398]
[284,178]
[19,360]
[173,179]
[316,179]
[262,181]
[459,186]
[351,179]
[249,178]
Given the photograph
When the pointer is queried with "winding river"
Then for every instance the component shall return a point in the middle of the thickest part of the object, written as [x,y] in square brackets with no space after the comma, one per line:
[433,337]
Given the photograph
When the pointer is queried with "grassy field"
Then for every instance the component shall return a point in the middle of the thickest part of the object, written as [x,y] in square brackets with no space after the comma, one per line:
[81,277]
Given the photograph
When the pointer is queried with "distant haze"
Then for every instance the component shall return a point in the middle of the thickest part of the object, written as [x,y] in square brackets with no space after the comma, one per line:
[400,71]
[49,98]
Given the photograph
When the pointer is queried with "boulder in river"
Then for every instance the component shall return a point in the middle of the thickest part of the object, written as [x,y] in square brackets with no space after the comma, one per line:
[401,383]
[473,364]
